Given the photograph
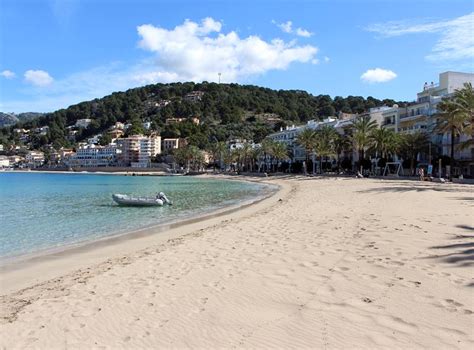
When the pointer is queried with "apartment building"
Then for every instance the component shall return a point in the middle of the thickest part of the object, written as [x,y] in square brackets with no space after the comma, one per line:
[34,159]
[137,150]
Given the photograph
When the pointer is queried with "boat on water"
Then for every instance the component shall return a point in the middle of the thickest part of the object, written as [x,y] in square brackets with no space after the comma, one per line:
[126,200]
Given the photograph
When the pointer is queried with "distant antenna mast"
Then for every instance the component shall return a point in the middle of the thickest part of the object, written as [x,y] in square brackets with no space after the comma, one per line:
[219,74]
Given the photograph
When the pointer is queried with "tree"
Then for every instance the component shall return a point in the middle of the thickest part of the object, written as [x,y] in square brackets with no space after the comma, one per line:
[342,143]
[464,102]
[362,129]
[105,139]
[280,151]
[217,151]
[136,128]
[412,144]
[266,149]
[450,121]
[384,142]
[324,143]
[306,139]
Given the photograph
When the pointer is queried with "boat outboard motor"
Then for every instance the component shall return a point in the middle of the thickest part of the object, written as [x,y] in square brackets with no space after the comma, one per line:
[165,199]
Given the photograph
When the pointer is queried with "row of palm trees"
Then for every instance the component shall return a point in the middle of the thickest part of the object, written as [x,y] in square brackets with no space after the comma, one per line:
[365,138]
[455,116]
[267,156]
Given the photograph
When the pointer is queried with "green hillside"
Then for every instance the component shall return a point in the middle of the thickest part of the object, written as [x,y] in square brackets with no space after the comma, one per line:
[225,111]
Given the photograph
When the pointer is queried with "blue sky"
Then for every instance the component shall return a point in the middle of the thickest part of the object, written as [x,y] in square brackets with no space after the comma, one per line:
[59,52]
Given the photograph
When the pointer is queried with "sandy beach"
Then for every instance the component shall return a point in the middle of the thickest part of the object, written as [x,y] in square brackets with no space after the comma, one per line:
[324,263]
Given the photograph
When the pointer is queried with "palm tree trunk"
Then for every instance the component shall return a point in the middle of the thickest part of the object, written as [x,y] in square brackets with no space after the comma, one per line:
[452,147]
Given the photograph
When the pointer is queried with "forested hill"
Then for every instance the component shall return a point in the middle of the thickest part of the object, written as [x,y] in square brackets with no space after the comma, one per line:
[225,111]
[7,119]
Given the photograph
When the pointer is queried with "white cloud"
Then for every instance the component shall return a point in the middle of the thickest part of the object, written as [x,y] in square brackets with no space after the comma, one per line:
[287,27]
[38,78]
[455,41]
[8,74]
[197,52]
[303,32]
[378,75]
[326,59]
[189,52]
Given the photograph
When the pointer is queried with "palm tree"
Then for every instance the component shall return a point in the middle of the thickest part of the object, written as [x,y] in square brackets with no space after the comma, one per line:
[362,128]
[324,145]
[342,143]
[217,151]
[247,154]
[266,149]
[464,100]
[412,144]
[450,121]
[306,139]
[280,151]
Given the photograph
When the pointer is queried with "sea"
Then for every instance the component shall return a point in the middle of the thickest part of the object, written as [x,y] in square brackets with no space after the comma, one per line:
[42,212]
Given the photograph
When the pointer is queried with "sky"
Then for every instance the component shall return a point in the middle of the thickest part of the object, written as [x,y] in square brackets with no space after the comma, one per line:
[55,53]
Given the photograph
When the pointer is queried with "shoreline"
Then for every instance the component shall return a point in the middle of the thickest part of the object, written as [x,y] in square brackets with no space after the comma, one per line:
[26,265]
[86,172]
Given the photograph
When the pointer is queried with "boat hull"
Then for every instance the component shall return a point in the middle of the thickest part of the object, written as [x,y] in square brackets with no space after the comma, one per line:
[125,200]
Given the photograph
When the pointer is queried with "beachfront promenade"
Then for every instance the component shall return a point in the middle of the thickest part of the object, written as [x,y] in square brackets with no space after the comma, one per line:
[324,263]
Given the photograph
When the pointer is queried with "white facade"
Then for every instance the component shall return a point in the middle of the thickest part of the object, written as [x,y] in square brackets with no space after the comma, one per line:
[4,162]
[289,135]
[149,148]
[94,156]
[138,150]
[420,116]
[94,140]
[171,144]
[34,159]
[83,123]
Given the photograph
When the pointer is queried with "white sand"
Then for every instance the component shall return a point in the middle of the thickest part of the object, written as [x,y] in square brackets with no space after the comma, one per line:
[338,263]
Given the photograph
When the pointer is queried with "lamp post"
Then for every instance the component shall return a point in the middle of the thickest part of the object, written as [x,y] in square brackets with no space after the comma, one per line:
[219,74]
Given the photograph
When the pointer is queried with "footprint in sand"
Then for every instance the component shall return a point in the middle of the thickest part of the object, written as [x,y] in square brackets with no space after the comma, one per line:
[453,302]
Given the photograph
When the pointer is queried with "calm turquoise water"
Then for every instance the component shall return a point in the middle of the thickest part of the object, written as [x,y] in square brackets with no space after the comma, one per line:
[44,211]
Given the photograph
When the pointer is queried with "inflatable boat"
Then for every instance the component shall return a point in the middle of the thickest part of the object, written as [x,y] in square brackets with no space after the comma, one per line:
[126,200]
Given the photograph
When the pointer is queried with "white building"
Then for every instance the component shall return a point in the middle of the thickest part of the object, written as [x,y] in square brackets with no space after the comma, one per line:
[289,135]
[83,123]
[94,140]
[118,126]
[4,162]
[149,147]
[420,116]
[42,130]
[172,143]
[194,96]
[138,150]
[34,159]
[94,156]
[146,125]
